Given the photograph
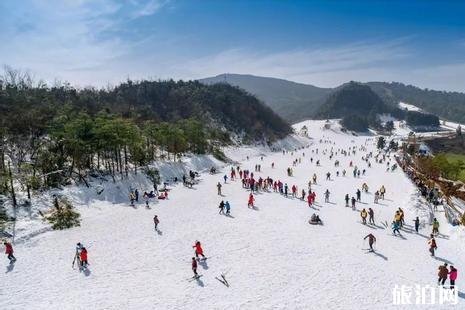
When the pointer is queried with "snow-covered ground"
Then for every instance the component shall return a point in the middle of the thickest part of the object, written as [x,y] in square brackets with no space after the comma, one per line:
[272,257]
[445,125]
[409,107]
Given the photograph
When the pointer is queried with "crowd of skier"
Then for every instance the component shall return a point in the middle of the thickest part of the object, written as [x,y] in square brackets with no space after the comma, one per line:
[254,182]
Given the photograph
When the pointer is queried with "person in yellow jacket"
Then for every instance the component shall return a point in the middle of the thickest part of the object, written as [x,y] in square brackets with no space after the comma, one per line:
[364,215]
[397,218]
[401,212]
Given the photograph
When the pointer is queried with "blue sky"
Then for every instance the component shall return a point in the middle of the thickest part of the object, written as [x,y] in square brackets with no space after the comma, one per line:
[324,43]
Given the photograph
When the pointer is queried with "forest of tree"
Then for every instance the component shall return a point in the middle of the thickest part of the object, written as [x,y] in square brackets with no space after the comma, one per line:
[447,105]
[359,107]
[51,134]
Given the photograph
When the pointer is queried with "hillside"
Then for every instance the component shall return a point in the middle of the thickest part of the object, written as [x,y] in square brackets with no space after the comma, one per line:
[64,133]
[134,266]
[352,98]
[292,101]
[296,101]
[447,105]
[167,101]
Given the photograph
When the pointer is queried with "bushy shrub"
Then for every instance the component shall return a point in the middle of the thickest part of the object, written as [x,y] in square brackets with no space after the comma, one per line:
[218,154]
[63,216]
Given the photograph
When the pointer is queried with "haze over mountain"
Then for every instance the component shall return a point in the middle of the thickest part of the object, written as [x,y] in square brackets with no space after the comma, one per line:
[292,101]
[295,101]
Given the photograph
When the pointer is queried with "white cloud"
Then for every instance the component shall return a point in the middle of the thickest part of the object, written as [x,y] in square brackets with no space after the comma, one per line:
[79,41]
[329,67]
[297,64]
[66,37]
[148,8]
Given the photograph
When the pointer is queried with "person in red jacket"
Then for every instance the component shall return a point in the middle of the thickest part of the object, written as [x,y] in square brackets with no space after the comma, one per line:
[9,251]
[83,257]
[309,199]
[198,249]
[251,200]
[313,197]
[452,277]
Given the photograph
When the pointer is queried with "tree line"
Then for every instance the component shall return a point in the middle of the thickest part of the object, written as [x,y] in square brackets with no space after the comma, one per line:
[50,135]
[359,107]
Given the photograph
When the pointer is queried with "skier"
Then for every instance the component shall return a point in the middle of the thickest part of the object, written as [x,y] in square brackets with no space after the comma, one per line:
[359,195]
[364,215]
[432,245]
[136,195]
[218,186]
[435,226]
[198,250]
[346,198]
[194,267]
[221,207]
[228,207]
[83,257]
[401,212]
[132,197]
[251,200]
[382,191]
[309,199]
[77,256]
[371,240]
[294,190]
[327,195]
[365,187]
[417,224]
[371,215]
[397,218]
[442,274]
[376,197]
[353,202]
[452,277]
[156,221]
[328,176]
[395,227]
[225,177]
[9,252]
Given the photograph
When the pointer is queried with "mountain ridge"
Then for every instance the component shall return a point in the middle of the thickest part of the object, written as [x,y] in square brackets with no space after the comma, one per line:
[295,106]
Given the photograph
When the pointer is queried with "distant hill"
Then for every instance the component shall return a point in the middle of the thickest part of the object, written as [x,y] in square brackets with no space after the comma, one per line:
[292,101]
[359,106]
[352,98]
[295,101]
[447,105]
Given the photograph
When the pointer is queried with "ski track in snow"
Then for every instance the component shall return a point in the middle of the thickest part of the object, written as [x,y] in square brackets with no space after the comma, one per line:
[276,260]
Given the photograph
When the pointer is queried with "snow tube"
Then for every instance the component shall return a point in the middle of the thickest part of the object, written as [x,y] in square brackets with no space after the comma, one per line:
[314,223]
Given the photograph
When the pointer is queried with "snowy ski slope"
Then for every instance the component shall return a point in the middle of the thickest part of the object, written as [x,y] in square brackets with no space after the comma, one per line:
[272,257]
